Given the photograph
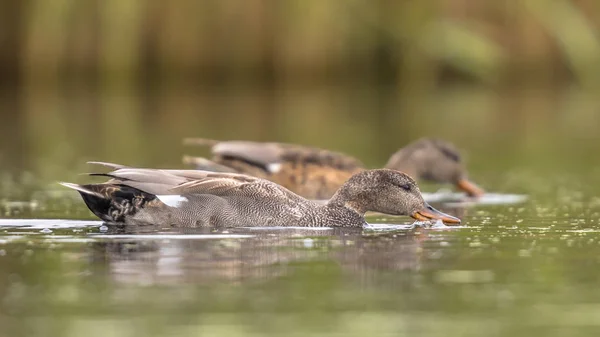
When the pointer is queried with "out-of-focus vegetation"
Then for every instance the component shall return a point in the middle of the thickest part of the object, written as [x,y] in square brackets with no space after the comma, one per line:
[124,81]
[412,43]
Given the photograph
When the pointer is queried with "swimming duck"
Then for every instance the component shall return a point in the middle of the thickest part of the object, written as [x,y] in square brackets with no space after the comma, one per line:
[194,198]
[317,173]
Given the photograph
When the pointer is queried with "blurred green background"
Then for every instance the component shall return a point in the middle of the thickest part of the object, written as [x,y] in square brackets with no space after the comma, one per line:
[410,43]
[513,83]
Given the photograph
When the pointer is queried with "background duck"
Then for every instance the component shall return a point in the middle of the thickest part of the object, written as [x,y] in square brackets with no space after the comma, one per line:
[316,173]
[194,198]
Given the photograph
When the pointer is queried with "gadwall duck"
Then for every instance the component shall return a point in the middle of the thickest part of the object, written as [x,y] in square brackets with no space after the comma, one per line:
[194,198]
[316,173]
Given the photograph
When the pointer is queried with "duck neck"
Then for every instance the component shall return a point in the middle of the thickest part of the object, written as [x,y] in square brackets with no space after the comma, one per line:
[335,215]
[339,212]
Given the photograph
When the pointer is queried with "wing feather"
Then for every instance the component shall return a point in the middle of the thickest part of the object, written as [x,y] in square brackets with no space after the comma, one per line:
[185,182]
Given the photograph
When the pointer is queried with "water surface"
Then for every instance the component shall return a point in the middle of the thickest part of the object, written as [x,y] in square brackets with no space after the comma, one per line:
[515,267]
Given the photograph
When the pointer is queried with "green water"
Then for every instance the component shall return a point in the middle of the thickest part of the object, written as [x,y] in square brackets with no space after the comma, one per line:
[524,269]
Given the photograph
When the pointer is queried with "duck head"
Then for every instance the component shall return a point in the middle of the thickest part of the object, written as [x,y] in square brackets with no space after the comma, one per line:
[434,160]
[387,191]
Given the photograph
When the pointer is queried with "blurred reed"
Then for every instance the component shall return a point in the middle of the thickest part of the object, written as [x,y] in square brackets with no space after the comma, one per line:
[412,44]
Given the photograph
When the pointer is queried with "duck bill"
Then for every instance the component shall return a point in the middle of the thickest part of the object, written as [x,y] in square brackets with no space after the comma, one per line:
[430,213]
[469,187]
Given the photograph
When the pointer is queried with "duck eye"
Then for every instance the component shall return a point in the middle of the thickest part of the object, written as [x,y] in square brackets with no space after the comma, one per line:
[405,187]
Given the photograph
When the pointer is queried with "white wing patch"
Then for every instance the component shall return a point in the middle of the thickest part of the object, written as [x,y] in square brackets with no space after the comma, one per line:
[172,200]
[274,167]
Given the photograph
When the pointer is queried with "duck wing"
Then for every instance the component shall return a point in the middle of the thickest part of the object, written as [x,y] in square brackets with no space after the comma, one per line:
[186,182]
[230,184]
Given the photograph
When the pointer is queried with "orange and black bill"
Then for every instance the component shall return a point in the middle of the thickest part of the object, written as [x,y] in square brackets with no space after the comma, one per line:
[470,188]
[430,213]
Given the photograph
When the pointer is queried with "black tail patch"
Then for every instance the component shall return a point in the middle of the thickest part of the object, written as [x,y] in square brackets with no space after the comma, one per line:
[114,202]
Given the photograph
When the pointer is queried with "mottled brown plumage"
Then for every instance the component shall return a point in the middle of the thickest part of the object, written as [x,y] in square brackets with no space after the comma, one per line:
[308,179]
[194,198]
[316,173]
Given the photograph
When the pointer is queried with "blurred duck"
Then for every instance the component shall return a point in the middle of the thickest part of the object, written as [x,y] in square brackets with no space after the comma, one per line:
[194,198]
[317,174]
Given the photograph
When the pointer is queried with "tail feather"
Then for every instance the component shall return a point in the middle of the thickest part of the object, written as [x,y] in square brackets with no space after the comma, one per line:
[112,202]
[111,165]
[82,189]
[108,175]
[200,141]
